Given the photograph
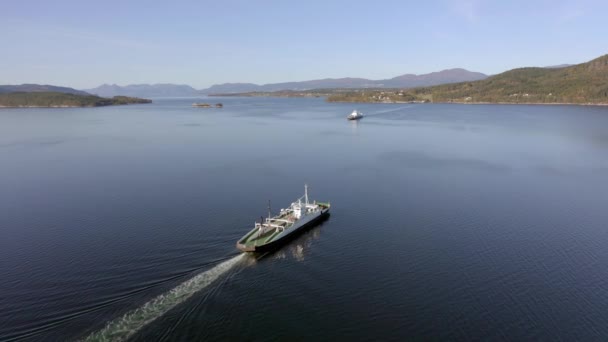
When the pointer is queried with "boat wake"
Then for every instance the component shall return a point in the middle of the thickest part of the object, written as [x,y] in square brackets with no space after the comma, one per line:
[389,110]
[124,327]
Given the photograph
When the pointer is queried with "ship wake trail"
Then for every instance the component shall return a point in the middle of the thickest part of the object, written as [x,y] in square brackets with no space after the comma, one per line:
[124,327]
[389,110]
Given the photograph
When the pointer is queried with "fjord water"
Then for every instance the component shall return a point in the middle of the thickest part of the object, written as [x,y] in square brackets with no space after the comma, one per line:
[451,222]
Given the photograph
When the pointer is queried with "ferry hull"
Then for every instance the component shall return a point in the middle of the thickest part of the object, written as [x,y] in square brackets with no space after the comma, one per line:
[287,237]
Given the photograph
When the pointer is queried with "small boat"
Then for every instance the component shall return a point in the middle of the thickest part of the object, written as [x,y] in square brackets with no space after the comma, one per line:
[355,115]
[201,105]
[274,230]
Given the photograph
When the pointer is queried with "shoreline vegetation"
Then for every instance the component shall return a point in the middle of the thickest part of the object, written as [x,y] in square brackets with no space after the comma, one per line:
[581,84]
[285,93]
[63,100]
[384,97]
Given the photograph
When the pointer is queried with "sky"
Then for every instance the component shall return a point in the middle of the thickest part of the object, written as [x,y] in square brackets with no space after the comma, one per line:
[83,43]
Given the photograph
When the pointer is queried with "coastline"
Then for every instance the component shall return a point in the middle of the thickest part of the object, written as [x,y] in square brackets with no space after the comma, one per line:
[531,103]
[391,102]
[68,106]
[487,103]
[326,96]
[49,106]
[453,102]
[62,100]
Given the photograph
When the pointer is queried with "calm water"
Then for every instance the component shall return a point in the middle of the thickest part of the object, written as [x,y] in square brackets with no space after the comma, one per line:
[448,222]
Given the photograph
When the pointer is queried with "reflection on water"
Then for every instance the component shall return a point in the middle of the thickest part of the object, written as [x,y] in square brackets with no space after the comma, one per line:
[354,127]
[297,248]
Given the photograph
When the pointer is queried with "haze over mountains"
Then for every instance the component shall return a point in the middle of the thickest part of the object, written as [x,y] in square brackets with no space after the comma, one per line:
[403,81]
[559,66]
[145,90]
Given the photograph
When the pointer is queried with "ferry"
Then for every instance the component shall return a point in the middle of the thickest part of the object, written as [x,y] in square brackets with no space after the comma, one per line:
[355,115]
[274,230]
[201,105]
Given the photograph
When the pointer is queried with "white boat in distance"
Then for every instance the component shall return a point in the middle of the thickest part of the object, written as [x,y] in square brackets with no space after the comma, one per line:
[355,115]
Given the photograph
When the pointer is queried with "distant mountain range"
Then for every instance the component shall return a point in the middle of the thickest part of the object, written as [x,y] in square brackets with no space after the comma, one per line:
[584,83]
[145,90]
[559,66]
[403,81]
[448,76]
[176,90]
[39,88]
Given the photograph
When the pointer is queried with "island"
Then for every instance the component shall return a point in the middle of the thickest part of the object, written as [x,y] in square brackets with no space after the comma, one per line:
[62,100]
[207,105]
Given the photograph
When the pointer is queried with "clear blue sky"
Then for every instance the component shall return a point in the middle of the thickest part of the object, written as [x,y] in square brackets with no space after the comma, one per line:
[81,43]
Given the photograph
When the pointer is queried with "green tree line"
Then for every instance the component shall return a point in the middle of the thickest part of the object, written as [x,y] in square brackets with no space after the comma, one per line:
[55,99]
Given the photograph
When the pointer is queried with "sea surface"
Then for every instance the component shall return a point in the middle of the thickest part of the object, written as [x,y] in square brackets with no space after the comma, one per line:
[448,222]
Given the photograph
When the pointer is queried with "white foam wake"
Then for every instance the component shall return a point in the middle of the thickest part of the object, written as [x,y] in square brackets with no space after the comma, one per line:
[390,110]
[124,327]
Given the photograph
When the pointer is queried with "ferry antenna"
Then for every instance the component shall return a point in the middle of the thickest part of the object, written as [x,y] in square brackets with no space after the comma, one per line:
[269,211]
